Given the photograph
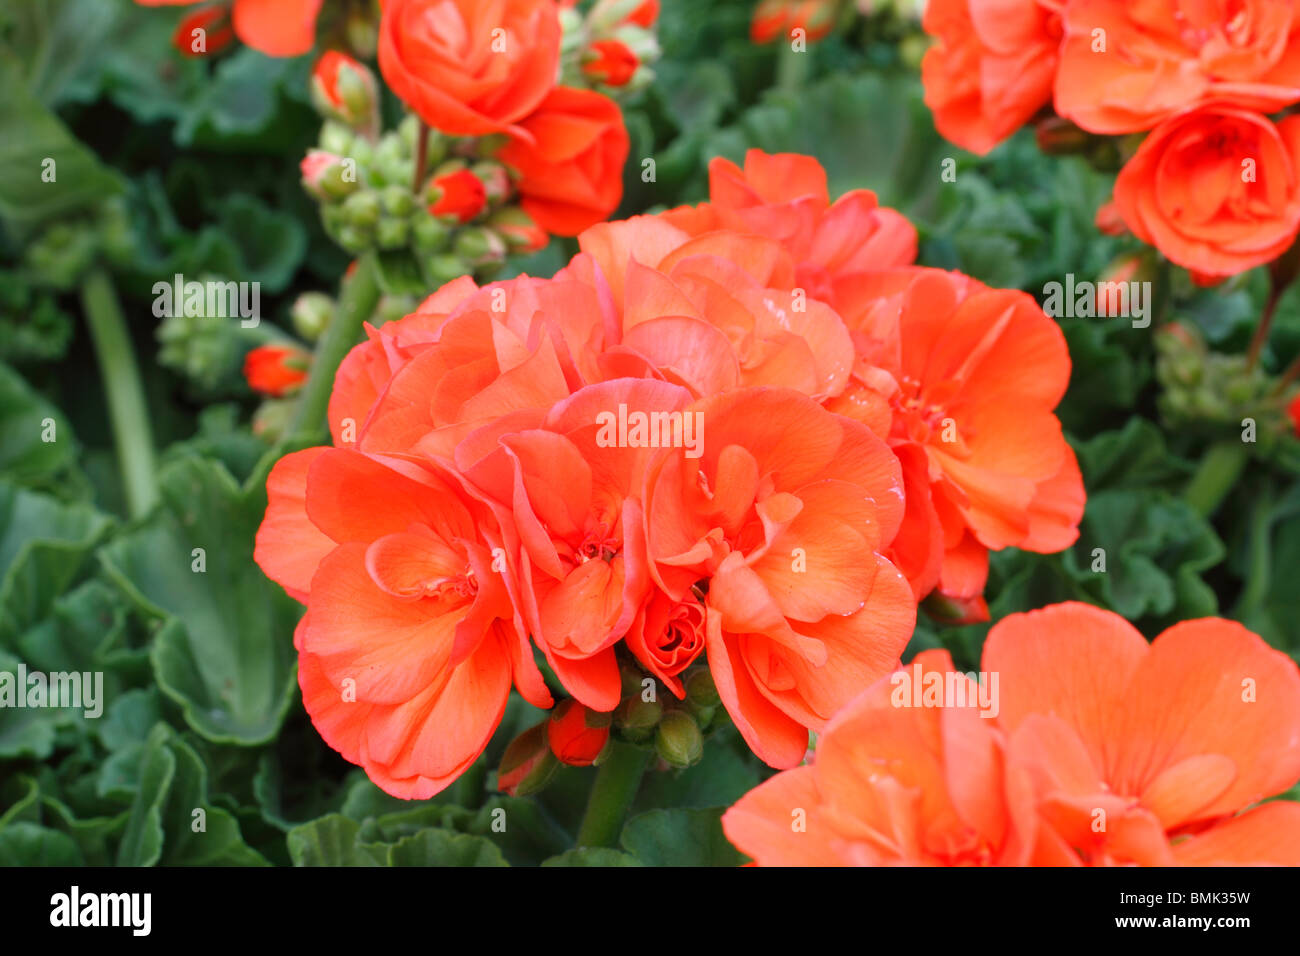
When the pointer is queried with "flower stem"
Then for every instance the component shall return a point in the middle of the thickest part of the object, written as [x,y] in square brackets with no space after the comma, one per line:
[127,410]
[791,67]
[421,158]
[1260,337]
[617,782]
[1219,470]
[356,304]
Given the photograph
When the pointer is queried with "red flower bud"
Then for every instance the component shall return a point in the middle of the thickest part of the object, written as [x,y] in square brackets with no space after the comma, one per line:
[611,62]
[346,90]
[517,228]
[1108,220]
[527,764]
[955,611]
[1293,409]
[276,370]
[644,15]
[770,20]
[461,194]
[576,733]
[204,31]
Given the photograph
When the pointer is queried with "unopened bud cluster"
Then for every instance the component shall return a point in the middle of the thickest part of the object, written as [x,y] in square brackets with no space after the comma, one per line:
[611,47]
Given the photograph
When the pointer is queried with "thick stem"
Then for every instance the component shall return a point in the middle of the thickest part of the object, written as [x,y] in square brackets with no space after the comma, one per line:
[617,782]
[1220,469]
[357,303]
[127,410]
[421,158]
[1260,338]
[1259,567]
[791,66]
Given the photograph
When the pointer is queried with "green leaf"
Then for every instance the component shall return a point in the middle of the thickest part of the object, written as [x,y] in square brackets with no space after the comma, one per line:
[43,544]
[592,856]
[142,842]
[55,40]
[29,135]
[28,844]
[246,104]
[331,841]
[680,838]
[225,652]
[444,848]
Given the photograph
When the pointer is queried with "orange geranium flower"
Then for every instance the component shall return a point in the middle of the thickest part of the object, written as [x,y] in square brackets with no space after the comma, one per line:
[991,66]
[569,156]
[273,27]
[408,646]
[782,517]
[971,377]
[784,196]
[466,67]
[1216,190]
[1125,67]
[1159,757]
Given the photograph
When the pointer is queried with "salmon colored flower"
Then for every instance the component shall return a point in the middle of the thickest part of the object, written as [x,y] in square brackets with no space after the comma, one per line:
[466,67]
[1153,759]
[569,156]
[1097,749]
[972,377]
[667,636]
[461,195]
[570,489]
[1124,67]
[991,66]
[611,63]
[893,785]
[784,196]
[780,18]
[273,27]
[276,370]
[783,519]
[1216,190]
[205,31]
[576,734]
[408,647]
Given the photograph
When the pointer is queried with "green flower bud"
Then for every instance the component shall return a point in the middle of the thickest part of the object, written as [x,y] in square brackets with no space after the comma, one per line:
[429,234]
[312,313]
[354,240]
[479,246]
[392,233]
[397,201]
[678,739]
[637,718]
[700,688]
[336,138]
[362,210]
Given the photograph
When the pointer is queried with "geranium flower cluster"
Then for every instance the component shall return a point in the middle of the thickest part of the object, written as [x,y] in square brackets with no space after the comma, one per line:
[748,433]
[1215,183]
[1081,745]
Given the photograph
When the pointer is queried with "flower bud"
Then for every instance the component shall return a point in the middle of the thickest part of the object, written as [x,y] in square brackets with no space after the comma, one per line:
[429,234]
[610,62]
[478,246]
[528,764]
[276,370]
[700,689]
[362,210]
[955,611]
[311,314]
[637,718]
[204,32]
[678,740]
[1293,412]
[322,176]
[495,180]
[1108,220]
[397,201]
[336,138]
[517,228]
[456,194]
[392,233]
[577,734]
[343,89]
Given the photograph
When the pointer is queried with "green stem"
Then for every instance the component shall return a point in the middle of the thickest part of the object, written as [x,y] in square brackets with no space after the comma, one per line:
[791,66]
[1259,569]
[127,410]
[1220,469]
[357,303]
[617,782]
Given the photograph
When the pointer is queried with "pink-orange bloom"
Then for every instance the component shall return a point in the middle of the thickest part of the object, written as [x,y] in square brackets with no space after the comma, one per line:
[991,66]
[408,647]
[1160,756]
[964,381]
[783,517]
[1125,67]
[784,196]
